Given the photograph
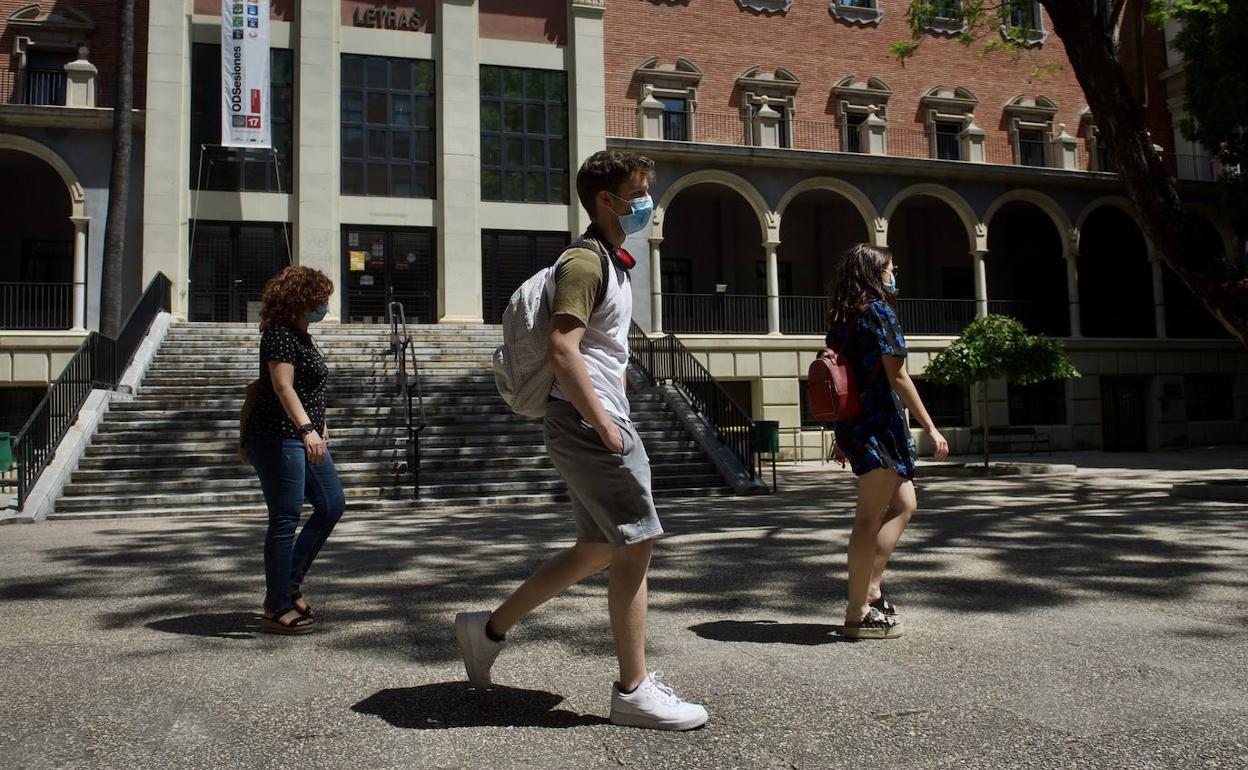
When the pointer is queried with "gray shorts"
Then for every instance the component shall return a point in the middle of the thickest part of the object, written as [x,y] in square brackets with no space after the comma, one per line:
[610,493]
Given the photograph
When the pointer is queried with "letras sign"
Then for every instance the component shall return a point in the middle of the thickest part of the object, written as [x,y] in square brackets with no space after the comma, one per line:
[387,18]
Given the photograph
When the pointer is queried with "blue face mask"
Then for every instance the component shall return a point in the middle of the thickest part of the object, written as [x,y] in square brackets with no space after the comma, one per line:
[317,314]
[891,287]
[638,215]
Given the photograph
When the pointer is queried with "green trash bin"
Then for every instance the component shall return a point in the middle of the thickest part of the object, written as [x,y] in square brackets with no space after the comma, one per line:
[6,460]
[765,440]
[765,437]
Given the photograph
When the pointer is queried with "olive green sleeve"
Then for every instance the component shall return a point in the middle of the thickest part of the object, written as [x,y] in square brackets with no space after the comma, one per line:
[577,280]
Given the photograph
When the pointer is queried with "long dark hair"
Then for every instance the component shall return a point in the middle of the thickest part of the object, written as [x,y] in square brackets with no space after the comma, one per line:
[857,280]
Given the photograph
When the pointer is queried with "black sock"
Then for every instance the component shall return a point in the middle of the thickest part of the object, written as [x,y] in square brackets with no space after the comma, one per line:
[493,637]
[620,687]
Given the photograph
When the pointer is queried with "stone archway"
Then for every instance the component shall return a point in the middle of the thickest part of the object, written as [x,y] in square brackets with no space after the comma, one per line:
[43,247]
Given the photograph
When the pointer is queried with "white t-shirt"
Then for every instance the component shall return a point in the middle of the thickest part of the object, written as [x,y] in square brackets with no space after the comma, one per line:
[604,347]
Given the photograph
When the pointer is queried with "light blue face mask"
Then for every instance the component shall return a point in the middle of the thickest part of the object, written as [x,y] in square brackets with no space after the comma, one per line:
[891,286]
[317,314]
[638,215]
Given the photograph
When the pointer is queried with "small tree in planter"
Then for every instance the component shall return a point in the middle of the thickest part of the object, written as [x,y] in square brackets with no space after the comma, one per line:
[999,347]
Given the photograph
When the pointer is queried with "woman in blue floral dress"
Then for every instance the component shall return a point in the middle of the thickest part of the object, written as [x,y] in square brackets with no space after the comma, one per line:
[864,328]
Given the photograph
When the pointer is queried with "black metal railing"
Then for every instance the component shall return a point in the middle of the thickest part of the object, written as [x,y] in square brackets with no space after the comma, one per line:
[715,313]
[36,306]
[98,364]
[44,87]
[408,388]
[666,359]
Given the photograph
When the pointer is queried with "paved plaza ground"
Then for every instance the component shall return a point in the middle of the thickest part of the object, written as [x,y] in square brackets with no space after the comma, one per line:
[1087,621]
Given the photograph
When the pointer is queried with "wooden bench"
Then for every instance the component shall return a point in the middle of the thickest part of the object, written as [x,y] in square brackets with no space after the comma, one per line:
[1005,438]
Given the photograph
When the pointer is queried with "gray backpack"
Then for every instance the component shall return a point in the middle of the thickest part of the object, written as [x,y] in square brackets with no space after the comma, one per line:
[521,372]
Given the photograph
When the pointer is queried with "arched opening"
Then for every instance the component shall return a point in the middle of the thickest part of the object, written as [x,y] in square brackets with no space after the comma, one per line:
[36,245]
[1115,277]
[1026,269]
[936,276]
[816,226]
[1186,315]
[714,267]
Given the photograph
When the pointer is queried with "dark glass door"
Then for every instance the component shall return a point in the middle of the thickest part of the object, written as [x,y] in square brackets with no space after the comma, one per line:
[1123,414]
[379,263]
[230,264]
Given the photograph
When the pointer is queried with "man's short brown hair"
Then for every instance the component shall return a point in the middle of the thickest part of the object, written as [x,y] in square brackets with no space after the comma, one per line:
[607,170]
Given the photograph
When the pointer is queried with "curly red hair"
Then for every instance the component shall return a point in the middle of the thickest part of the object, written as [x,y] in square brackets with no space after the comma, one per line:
[291,293]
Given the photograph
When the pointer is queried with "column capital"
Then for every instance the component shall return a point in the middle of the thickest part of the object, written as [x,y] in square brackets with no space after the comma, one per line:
[771,245]
[587,6]
[655,241]
[80,221]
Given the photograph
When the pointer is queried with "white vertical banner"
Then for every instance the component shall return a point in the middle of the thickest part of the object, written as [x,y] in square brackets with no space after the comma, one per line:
[245,74]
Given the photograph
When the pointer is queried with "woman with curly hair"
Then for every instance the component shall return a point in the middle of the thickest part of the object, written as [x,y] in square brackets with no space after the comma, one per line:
[287,441]
[876,442]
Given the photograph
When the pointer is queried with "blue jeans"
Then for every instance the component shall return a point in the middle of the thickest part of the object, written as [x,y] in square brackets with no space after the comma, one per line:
[287,479]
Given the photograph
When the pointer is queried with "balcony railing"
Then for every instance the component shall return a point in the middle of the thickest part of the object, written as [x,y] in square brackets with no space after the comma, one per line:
[36,306]
[715,313]
[813,135]
[44,87]
[729,313]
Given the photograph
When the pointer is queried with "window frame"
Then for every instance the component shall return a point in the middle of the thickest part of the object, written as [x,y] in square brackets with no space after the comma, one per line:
[556,187]
[389,129]
[1031,405]
[1197,391]
[205,124]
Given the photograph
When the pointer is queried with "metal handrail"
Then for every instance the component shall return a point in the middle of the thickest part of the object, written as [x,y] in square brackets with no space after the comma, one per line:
[98,364]
[667,359]
[401,348]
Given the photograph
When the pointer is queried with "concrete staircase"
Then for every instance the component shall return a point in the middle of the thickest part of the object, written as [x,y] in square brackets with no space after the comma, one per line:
[171,450]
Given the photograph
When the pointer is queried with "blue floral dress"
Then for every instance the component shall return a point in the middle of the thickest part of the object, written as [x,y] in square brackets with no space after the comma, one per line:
[878,437]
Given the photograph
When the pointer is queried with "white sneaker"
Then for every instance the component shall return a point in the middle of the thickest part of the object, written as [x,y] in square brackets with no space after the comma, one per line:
[477,649]
[654,705]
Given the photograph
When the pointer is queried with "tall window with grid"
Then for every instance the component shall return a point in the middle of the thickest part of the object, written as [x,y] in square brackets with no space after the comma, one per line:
[524,135]
[388,135]
[239,169]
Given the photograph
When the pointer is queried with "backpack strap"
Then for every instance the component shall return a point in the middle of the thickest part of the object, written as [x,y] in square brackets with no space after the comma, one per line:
[849,330]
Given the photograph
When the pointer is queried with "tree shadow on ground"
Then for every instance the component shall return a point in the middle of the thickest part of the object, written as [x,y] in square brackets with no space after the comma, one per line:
[989,546]
[221,625]
[767,632]
[457,704]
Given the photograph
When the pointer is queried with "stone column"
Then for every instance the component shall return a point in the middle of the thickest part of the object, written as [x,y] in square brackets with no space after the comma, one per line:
[773,287]
[1070,253]
[80,75]
[80,272]
[459,163]
[650,115]
[166,143]
[318,242]
[872,132]
[766,125]
[587,93]
[1159,292]
[1064,153]
[656,285]
[981,283]
[973,138]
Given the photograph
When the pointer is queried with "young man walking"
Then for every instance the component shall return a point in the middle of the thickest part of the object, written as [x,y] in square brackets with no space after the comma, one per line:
[596,449]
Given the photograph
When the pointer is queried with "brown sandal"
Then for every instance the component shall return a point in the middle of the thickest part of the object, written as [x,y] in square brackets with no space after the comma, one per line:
[290,623]
[306,610]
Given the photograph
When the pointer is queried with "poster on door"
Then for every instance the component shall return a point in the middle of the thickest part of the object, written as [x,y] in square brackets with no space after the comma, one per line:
[357,260]
[245,74]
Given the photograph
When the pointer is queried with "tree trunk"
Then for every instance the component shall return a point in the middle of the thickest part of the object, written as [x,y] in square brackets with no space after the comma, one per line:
[1217,280]
[119,181]
[983,417]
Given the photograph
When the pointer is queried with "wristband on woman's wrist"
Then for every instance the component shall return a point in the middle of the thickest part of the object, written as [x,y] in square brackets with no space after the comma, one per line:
[306,428]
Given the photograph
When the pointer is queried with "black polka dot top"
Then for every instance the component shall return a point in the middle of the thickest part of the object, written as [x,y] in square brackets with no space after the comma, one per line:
[290,346]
